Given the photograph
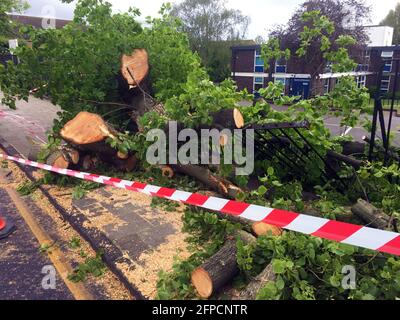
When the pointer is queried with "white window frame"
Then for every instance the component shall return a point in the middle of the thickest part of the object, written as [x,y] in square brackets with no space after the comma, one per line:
[254,82]
[361,81]
[327,85]
[280,65]
[387,54]
[255,61]
[386,81]
[391,66]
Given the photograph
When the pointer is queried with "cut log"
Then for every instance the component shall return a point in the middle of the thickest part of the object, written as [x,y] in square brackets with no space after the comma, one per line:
[134,85]
[135,67]
[221,268]
[57,159]
[71,154]
[263,229]
[205,176]
[167,171]
[228,118]
[256,284]
[86,129]
[122,156]
[88,133]
[216,271]
[370,214]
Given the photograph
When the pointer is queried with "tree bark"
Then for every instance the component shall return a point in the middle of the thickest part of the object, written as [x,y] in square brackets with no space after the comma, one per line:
[356,164]
[204,175]
[370,214]
[228,118]
[256,284]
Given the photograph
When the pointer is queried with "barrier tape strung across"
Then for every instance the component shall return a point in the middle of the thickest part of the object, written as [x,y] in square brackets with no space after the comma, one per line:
[365,237]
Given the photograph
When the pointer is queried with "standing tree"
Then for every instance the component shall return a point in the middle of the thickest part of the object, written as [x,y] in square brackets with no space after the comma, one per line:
[347,18]
[393,20]
[212,29]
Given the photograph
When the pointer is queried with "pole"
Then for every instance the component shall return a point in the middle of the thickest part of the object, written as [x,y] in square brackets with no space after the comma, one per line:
[391,111]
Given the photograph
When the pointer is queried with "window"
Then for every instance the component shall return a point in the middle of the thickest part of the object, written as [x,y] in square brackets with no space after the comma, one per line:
[362,68]
[280,68]
[387,67]
[258,83]
[327,85]
[361,80]
[258,62]
[385,84]
[387,54]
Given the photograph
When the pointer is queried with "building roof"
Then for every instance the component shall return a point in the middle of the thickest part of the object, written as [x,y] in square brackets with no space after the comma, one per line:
[387,48]
[36,21]
[248,47]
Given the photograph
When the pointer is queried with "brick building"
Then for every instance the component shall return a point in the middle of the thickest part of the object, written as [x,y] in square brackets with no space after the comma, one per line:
[248,68]
[36,22]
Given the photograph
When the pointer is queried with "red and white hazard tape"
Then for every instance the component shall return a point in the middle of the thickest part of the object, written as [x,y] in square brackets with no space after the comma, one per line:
[365,237]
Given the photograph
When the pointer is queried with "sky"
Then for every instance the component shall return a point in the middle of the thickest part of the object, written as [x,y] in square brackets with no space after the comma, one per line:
[264,14]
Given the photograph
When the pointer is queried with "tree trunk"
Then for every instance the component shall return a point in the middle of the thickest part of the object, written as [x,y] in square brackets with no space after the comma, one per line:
[88,133]
[356,164]
[228,118]
[135,85]
[204,175]
[135,67]
[373,216]
[254,287]
[221,268]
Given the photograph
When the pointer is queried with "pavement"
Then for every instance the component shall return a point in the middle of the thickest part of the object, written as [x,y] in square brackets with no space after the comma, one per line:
[27,126]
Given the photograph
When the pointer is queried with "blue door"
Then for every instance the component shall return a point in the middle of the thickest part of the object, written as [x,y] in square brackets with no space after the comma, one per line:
[300,87]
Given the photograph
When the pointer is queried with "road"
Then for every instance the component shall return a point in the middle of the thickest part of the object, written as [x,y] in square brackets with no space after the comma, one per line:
[22,267]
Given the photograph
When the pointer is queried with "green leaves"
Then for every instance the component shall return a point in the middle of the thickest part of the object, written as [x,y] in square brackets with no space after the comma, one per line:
[272,51]
[280,266]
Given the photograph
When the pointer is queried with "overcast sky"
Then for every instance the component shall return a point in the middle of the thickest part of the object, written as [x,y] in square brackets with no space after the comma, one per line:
[263,13]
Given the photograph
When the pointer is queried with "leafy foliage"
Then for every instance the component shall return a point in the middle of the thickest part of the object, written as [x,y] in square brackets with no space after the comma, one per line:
[92,266]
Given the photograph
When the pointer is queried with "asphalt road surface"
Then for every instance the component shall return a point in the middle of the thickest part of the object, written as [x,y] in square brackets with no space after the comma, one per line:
[23,267]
